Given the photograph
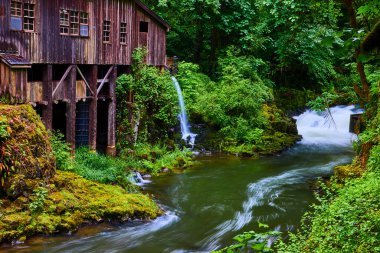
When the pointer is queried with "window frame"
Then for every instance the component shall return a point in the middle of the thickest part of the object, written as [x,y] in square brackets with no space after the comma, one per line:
[123,39]
[64,22]
[84,22]
[106,33]
[71,23]
[25,14]
[28,19]
[74,23]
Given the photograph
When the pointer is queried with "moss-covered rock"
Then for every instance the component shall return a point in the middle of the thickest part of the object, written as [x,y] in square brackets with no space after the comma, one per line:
[71,202]
[26,155]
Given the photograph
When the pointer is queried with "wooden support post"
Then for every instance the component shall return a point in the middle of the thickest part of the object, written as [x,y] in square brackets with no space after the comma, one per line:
[71,108]
[47,87]
[111,135]
[93,77]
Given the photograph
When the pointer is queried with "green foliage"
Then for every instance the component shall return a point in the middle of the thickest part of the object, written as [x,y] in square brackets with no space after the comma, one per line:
[25,150]
[251,242]
[40,195]
[347,218]
[233,104]
[155,158]
[154,107]
[61,151]
[101,168]
[323,102]
[345,221]
[4,128]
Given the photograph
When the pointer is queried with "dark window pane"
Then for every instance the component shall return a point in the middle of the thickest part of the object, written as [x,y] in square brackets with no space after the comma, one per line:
[144,27]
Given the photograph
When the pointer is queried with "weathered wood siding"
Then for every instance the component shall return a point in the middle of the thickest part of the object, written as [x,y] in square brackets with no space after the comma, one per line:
[46,45]
[13,81]
[154,40]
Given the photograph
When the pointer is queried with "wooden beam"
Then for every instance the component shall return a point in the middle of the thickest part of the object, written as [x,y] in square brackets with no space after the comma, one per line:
[47,89]
[71,109]
[85,81]
[93,114]
[62,79]
[104,79]
[111,135]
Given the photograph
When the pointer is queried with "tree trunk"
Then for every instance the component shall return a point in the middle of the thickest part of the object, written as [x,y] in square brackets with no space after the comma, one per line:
[363,91]
[136,124]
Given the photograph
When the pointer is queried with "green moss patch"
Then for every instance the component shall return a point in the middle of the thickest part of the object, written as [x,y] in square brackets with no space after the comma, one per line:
[70,202]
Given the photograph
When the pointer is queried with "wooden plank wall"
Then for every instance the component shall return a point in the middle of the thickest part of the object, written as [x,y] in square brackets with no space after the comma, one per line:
[13,82]
[155,40]
[46,45]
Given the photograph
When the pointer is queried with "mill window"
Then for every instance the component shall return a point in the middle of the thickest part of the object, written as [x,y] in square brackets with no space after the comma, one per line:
[106,31]
[123,33]
[83,24]
[29,17]
[144,26]
[74,23]
[22,16]
[64,22]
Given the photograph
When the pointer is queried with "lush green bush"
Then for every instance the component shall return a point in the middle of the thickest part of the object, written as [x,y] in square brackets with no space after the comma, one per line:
[61,151]
[154,108]
[119,170]
[25,151]
[155,158]
[251,242]
[233,104]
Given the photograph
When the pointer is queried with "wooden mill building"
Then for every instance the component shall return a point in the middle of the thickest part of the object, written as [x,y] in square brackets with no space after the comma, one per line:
[63,56]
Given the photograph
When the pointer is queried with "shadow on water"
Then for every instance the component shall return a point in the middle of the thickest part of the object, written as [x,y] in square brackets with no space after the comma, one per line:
[218,199]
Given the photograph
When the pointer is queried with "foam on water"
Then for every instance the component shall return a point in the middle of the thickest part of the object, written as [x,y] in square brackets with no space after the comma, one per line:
[327,128]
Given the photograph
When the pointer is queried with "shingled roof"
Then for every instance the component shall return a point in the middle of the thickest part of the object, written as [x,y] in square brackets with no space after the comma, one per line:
[14,60]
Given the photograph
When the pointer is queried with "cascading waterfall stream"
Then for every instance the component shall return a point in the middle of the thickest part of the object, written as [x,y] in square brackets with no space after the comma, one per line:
[187,135]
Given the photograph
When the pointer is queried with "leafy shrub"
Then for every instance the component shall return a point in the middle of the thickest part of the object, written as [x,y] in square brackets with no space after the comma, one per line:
[97,167]
[154,109]
[40,195]
[233,104]
[25,149]
[61,151]
[4,128]
[251,242]
[157,157]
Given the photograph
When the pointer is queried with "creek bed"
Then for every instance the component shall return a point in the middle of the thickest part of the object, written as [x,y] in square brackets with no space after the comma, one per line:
[221,197]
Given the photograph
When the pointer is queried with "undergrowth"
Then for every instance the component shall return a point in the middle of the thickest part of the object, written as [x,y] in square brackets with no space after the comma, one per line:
[117,170]
[347,219]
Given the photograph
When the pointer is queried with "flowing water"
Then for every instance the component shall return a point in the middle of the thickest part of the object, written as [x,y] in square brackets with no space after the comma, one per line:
[187,135]
[224,196]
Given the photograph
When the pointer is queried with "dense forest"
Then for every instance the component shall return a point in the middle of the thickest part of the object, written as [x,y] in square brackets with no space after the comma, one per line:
[245,67]
[242,65]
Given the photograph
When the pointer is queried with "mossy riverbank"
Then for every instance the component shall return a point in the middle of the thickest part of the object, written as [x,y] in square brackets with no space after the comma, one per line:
[70,202]
[35,198]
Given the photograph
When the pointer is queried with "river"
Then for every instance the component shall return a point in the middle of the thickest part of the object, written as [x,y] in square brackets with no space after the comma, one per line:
[223,196]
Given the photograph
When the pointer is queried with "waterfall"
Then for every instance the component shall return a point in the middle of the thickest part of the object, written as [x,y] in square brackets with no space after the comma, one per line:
[187,136]
[329,127]
[137,179]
